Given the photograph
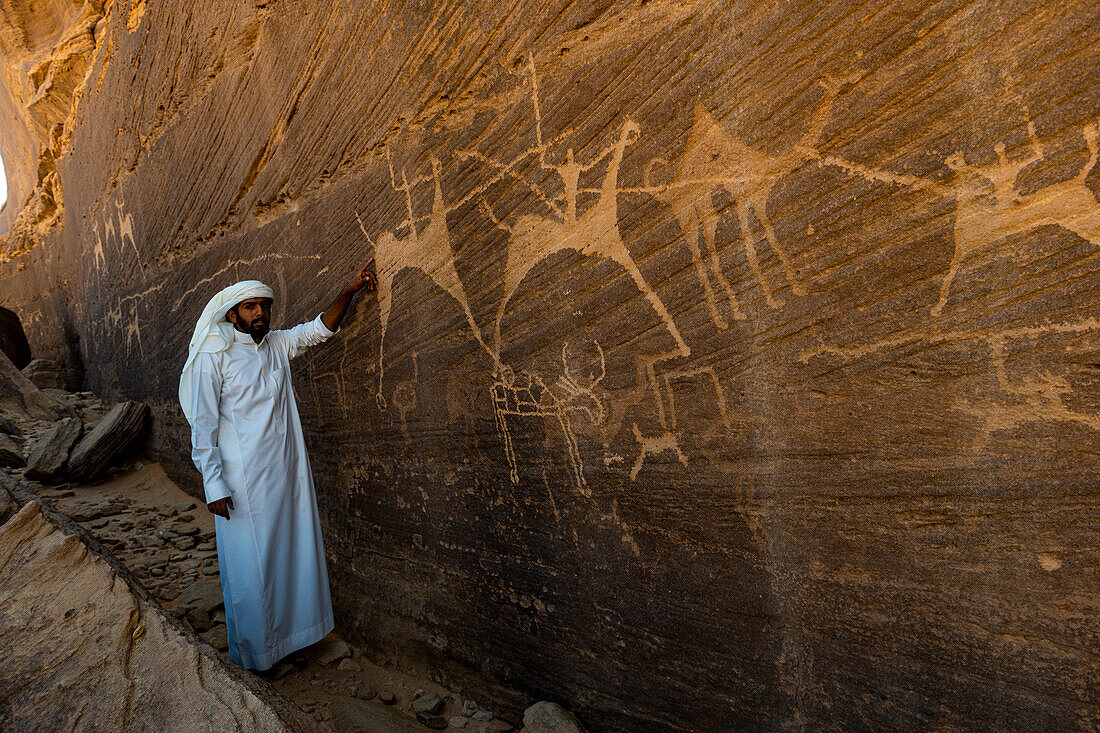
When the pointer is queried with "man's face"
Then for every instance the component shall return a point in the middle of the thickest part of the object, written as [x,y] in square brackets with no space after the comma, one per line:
[252,316]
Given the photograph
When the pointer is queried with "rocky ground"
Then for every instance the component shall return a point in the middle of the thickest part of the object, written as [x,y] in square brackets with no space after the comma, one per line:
[166,539]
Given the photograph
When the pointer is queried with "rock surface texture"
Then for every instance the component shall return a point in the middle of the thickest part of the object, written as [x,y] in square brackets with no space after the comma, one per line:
[83,652]
[734,366]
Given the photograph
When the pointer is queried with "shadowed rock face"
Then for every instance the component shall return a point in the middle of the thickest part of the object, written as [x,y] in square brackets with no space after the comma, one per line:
[732,366]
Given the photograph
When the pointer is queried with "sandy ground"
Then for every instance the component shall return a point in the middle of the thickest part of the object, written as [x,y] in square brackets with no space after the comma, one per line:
[166,538]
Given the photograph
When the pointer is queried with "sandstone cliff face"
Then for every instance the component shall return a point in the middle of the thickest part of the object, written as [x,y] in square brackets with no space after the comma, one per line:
[732,366]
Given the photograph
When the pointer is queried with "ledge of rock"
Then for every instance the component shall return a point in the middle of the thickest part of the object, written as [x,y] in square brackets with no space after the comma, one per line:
[84,650]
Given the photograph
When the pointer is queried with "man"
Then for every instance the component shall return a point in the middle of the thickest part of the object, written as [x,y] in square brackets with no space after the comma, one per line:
[247,442]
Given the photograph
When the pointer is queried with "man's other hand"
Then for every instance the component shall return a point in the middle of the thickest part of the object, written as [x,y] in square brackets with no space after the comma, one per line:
[366,277]
[221,507]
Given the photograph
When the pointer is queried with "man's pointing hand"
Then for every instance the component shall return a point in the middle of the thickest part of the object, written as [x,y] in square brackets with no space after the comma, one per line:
[366,277]
[221,507]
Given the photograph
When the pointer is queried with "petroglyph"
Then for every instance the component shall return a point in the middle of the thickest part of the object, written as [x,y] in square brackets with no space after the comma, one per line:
[428,250]
[533,238]
[404,395]
[861,351]
[653,445]
[989,208]
[527,395]
[659,386]
[715,159]
[126,230]
[117,229]
[99,259]
[1037,398]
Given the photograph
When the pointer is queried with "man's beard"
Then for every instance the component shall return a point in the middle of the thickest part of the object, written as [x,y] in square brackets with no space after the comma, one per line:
[257,328]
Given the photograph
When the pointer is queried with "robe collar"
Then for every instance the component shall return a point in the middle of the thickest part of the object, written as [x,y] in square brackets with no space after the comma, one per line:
[240,337]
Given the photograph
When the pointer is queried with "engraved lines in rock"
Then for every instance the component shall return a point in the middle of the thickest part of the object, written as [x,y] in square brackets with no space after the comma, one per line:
[988,207]
[713,160]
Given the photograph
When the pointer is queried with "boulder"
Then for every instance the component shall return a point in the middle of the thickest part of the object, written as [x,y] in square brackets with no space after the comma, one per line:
[8,505]
[92,651]
[49,456]
[44,374]
[9,428]
[11,455]
[549,717]
[13,340]
[110,437]
[20,396]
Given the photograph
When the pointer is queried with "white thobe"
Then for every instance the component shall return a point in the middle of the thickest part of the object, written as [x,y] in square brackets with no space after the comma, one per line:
[247,442]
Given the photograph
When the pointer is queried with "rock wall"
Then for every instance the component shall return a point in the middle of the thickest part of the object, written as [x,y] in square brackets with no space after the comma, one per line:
[733,366]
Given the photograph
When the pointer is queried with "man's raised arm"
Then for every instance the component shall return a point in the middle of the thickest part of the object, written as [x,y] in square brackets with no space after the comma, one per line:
[335,313]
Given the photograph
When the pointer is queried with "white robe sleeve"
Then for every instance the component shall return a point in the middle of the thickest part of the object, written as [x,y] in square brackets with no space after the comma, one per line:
[301,337]
[205,396]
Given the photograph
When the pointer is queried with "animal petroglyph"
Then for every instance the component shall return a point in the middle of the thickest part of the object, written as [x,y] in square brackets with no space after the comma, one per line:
[428,250]
[715,159]
[989,208]
[659,386]
[117,229]
[533,238]
[1037,398]
[527,395]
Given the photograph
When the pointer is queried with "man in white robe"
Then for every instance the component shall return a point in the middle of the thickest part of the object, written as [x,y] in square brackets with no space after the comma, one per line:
[247,442]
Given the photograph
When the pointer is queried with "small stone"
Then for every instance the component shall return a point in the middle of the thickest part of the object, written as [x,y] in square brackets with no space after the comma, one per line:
[549,717]
[387,697]
[219,616]
[100,523]
[217,637]
[364,692]
[210,571]
[431,720]
[205,594]
[184,543]
[483,716]
[316,682]
[199,620]
[469,708]
[184,507]
[184,529]
[335,650]
[458,722]
[157,572]
[347,664]
[428,704]
[146,540]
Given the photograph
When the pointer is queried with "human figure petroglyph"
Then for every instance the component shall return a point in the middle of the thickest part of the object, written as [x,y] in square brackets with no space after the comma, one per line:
[533,238]
[126,230]
[99,259]
[1037,398]
[428,250]
[988,207]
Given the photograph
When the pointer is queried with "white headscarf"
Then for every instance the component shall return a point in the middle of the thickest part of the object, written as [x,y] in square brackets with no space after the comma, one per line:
[213,333]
